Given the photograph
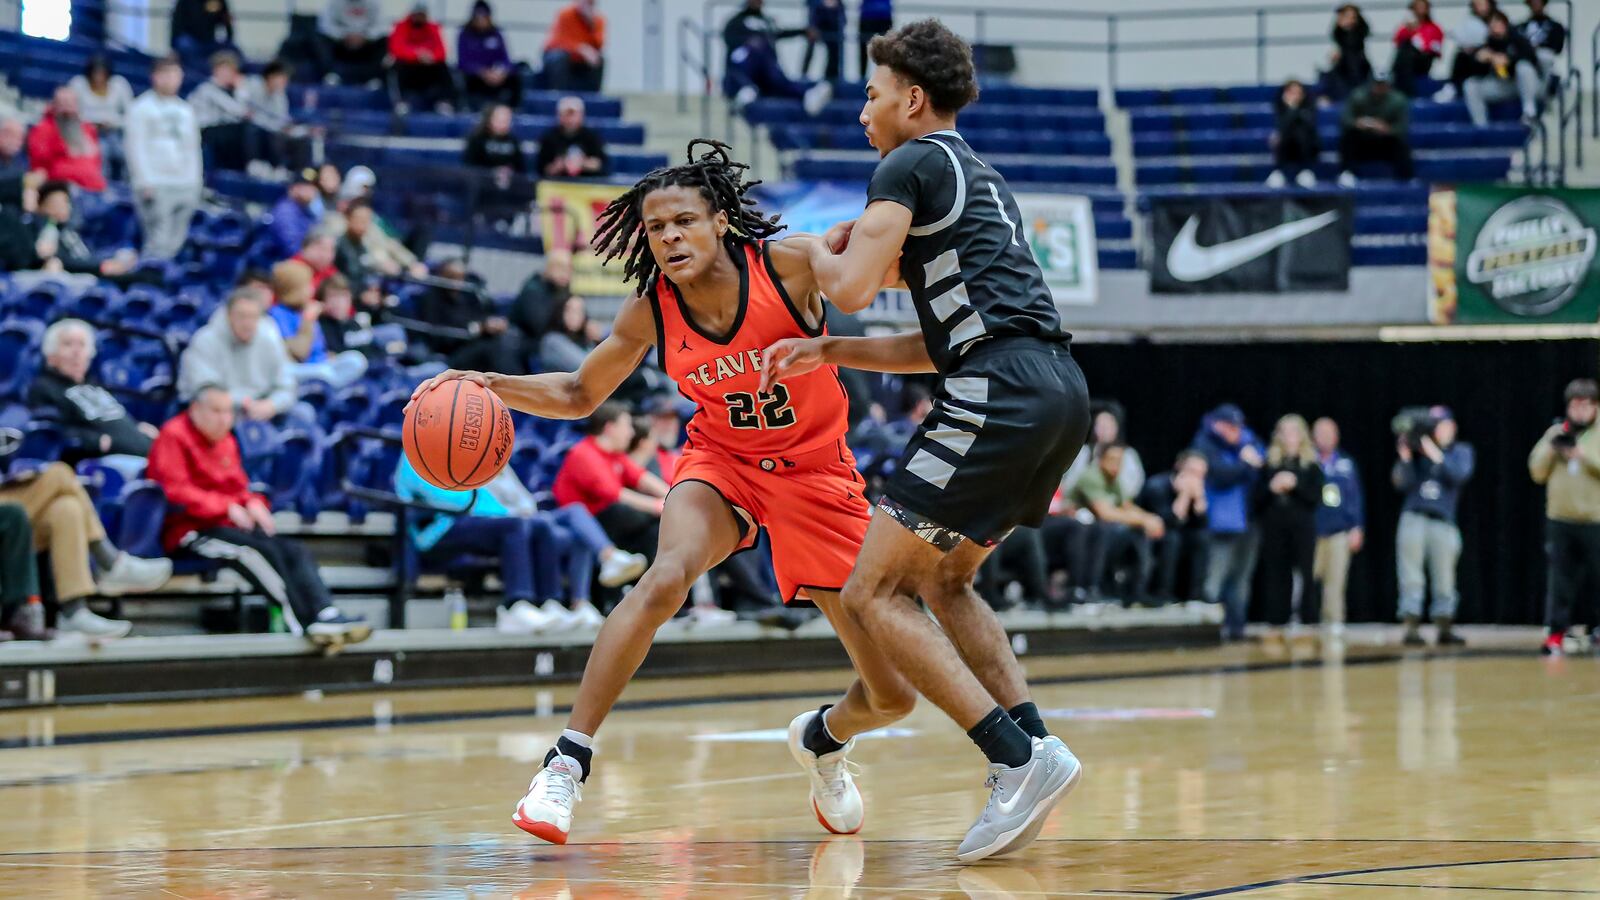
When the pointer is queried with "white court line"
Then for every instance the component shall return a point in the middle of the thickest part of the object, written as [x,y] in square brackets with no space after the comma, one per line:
[346,821]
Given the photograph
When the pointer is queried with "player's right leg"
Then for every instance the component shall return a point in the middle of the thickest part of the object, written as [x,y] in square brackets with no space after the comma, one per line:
[698,530]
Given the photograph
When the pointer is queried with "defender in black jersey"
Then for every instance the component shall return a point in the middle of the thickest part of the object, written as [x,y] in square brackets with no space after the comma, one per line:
[1010,414]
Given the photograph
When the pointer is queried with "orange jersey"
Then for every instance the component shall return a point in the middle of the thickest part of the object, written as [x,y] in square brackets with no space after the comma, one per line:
[722,374]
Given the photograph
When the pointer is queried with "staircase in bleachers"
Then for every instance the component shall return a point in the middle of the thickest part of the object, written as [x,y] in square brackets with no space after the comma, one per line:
[1215,140]
[1044,140]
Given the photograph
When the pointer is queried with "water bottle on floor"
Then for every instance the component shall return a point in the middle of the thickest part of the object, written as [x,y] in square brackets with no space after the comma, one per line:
[455,603]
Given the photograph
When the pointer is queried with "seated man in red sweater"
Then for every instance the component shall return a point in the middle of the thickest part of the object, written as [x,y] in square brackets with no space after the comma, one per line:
[421,68]
[65,146]
[214,515]
[625,499]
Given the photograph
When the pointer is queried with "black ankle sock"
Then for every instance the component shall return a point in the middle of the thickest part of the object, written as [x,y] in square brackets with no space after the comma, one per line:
[1026,715]
[103,554]
[817,739]
[1002,740]
[583,755]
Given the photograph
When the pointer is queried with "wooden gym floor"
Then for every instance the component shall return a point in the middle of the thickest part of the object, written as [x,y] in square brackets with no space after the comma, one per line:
[1209,773]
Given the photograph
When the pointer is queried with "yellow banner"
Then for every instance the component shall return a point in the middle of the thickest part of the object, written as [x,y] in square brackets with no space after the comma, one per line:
[567,211]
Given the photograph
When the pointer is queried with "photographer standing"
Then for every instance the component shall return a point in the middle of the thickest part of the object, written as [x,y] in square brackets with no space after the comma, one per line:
[1430,473]
[1567,462]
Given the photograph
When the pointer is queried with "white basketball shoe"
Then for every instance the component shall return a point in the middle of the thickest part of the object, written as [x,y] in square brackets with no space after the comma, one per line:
[546,810]
[834,796]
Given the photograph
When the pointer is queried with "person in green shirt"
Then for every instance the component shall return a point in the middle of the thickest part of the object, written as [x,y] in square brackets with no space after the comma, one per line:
[1375,127]
[1120,526]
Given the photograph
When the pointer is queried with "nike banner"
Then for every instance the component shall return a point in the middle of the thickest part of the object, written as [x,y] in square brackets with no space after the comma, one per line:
[1251,245]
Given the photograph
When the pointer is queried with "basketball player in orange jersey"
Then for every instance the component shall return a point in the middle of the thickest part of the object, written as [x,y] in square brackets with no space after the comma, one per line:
[712,294]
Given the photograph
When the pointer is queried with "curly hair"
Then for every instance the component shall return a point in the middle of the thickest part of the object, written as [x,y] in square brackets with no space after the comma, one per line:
[619,229]
[931,56]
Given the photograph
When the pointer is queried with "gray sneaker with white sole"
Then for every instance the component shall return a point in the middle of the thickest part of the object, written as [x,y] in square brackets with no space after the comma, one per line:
[1020,800]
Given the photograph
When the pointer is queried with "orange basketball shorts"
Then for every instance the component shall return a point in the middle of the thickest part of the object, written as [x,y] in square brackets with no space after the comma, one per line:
[812,506]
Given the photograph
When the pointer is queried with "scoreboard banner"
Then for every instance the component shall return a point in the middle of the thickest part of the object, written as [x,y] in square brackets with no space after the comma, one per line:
[1499,255]
[567,213]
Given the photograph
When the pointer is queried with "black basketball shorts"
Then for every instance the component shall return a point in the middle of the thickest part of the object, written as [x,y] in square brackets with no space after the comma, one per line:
[1005,427]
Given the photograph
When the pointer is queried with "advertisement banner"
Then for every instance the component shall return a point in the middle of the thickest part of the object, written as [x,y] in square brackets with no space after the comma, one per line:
[1499,255]
[1060,229]
[1251,245]
[567,211]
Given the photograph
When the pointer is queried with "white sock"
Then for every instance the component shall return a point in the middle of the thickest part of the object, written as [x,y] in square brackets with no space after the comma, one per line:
[579,738]
[829,731]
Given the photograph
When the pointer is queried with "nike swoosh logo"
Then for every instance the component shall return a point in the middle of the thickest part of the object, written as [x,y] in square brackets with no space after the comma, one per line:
[1007,806]
[1188,261]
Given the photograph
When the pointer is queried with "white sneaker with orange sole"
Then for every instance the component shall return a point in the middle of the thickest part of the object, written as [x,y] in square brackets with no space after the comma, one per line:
[834,796]
[546,810]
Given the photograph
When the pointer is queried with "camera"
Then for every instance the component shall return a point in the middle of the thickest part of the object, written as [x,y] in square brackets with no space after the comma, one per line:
[1413,423]
[1567,437]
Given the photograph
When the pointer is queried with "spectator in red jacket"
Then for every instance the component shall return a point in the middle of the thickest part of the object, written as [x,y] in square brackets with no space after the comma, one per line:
[66,147]
[422,74]
[624,498]
[1417,45]
[213,515]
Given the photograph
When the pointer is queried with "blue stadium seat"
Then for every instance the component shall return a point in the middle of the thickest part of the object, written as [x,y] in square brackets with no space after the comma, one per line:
[19,343]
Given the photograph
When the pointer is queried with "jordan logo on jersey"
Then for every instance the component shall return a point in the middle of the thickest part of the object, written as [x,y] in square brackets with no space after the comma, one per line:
[724,367]
[685,347]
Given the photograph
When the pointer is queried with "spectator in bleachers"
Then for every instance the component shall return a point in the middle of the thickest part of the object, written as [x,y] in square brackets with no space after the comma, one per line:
[234,352]
[96,425]
[1120,526]
[546,291]
[57,247]
[1430,473]
[1548,37]
[752,69]
[365,255]
[1375,128]
[19,183]
[296,213]
[1179,498]
[212,515]
[492,146]
[1107,429]
[825,26]
[64,146]
[164,161]
[874,18]
[1469,38]
[330,184]
[1418,43]
[421,66]
[574,52]
[880,439]
[664,435]
[571,149]
[490,344]
[597,473]
[298,316]
[351,41]
[1348,67]
[317,256]
[485,60]
[1295,143]
[569,337]
[344,327]
[223,114]
[1233,466]
[66,526]
[103,101]
[1512,73]
[283,144]
[1341,522]
[20,609]
[201,28]
[1288,494]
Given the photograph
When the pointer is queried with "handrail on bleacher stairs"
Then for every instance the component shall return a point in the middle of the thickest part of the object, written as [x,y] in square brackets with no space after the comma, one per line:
[984,20]
[1550,169]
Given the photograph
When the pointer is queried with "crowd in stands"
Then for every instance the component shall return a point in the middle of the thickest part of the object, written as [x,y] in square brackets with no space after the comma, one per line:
[1494,62]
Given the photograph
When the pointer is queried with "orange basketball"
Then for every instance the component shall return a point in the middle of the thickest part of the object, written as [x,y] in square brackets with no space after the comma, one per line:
[458,436]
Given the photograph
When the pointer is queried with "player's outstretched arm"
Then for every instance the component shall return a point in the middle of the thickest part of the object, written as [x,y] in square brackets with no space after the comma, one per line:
[851,277]
[571,395]
[902,354]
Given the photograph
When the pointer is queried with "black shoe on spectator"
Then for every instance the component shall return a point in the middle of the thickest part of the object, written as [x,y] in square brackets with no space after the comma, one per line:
[1447,635]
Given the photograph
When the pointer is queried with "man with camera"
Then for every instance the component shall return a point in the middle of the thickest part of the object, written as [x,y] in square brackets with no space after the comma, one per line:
[1430,472]
[1567,462]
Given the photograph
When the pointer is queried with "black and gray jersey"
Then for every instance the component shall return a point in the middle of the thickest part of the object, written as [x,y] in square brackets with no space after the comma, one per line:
[966,260]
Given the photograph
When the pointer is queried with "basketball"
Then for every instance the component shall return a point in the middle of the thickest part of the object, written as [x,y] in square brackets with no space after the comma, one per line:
[458,436]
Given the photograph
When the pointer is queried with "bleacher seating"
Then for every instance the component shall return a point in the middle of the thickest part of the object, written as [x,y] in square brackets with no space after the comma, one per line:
[1213,140]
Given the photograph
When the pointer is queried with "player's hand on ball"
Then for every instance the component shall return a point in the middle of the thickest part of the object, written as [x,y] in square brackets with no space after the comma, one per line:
[788,358]
[447,375]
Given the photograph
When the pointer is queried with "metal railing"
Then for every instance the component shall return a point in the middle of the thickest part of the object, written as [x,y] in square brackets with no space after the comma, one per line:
[1545,156]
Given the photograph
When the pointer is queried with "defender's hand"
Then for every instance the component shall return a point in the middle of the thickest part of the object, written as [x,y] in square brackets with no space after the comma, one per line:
[838,237]
[789,358]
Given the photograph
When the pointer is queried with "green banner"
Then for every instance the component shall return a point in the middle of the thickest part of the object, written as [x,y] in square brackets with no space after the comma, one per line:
[1501,255]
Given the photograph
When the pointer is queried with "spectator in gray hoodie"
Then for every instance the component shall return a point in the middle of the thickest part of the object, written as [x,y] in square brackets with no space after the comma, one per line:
[351,41]
[235,351]
[164,162]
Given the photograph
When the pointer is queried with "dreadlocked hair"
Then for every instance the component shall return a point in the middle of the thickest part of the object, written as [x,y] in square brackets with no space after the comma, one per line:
[619,229]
